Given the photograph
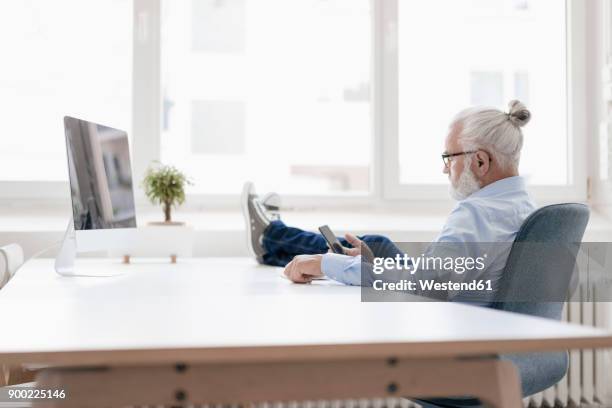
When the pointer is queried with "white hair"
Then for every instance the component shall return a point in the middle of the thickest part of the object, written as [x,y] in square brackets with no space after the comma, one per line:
[494,131]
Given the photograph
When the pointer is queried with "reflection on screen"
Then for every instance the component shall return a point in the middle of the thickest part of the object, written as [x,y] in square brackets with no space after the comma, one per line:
[100,176]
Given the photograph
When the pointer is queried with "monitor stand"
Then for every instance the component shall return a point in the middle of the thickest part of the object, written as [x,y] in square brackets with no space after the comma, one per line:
[64,261]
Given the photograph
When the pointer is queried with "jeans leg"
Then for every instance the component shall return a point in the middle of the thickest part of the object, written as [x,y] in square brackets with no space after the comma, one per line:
[282,243]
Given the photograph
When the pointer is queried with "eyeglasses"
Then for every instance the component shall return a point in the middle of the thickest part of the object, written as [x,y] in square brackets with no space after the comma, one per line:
[446,157]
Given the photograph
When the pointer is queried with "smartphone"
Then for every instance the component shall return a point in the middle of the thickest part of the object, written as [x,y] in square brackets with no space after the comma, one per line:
[331,239]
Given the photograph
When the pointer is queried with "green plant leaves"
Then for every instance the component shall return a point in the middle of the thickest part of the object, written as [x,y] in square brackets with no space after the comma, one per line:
[165,184]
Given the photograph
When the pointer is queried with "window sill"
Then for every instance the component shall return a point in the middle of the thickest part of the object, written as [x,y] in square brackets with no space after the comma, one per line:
[221,233]
[232,221]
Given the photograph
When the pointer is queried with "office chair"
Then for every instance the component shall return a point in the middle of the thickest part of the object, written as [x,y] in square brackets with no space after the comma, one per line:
[526,275]
[11,259]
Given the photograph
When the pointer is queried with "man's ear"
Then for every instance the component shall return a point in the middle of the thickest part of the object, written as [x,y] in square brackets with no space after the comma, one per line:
[482,161]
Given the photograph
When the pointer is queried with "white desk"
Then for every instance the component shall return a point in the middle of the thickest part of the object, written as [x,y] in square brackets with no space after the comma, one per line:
[246,334]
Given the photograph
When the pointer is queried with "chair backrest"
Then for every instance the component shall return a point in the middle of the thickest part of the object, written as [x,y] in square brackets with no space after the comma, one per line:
[529,269]
[534,259]
[11,258]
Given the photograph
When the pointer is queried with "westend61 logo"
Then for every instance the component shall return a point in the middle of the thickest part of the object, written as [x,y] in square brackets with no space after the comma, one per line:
[412,264]
[454,267]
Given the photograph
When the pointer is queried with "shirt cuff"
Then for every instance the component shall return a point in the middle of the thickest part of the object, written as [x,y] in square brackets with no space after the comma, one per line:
[333,265]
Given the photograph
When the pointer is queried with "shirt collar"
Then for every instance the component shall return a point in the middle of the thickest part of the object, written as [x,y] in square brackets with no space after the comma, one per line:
[508,184]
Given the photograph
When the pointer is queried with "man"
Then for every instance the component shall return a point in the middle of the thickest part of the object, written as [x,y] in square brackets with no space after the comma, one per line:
[481,158]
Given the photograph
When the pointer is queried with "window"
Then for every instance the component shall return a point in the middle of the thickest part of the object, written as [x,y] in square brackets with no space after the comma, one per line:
[476,54]
[60,57]
[269,91]
[346,99]
[458,53]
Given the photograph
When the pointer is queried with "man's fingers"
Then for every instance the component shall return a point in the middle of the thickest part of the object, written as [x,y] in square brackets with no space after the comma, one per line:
[293,273]
[363,248]
[299,277]
[288,269]
[352,251]
[353,240]
[306,279]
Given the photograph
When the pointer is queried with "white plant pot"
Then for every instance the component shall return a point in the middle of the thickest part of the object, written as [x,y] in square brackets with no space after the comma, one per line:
[160,240]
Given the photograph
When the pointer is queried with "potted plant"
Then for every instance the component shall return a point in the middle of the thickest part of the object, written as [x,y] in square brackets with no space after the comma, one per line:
[165,185]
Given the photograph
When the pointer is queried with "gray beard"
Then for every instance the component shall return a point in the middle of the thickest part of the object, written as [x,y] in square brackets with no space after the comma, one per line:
[466,185]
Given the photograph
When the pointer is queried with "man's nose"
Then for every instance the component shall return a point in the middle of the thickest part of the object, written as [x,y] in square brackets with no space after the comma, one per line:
[445,169]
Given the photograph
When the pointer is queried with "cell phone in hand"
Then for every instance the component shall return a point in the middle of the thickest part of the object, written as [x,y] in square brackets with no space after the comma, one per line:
[331,239]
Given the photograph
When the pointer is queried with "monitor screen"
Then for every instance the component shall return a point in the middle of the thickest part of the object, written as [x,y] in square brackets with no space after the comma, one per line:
[100,176]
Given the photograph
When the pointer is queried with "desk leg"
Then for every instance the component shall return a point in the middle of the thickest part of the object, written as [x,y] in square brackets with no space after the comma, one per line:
[493,381]
[502,389]
[13,375]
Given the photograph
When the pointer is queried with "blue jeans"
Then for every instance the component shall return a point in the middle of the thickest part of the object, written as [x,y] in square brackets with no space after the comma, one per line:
[282,243]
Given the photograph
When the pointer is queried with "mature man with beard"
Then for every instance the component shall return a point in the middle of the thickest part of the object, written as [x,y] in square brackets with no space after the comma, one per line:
[481,158]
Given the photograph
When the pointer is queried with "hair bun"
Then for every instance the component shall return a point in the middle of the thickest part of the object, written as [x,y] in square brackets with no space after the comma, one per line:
[518,115]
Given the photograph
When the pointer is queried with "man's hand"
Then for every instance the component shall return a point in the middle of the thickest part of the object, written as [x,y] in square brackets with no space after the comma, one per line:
[304,268]
[359,248]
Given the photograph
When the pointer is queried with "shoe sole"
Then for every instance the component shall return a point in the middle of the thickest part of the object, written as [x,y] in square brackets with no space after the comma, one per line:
[244,204]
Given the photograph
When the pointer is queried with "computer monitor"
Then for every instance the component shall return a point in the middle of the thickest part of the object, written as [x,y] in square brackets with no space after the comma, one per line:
[101,188]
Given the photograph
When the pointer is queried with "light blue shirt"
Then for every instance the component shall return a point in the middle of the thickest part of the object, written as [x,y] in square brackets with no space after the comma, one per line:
[493,214]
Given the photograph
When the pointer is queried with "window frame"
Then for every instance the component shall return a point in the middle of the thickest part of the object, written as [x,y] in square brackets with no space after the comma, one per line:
[385,189]
[575,190]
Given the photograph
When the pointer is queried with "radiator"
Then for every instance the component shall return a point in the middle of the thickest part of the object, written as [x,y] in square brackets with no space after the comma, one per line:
[351,403]
[586,382]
